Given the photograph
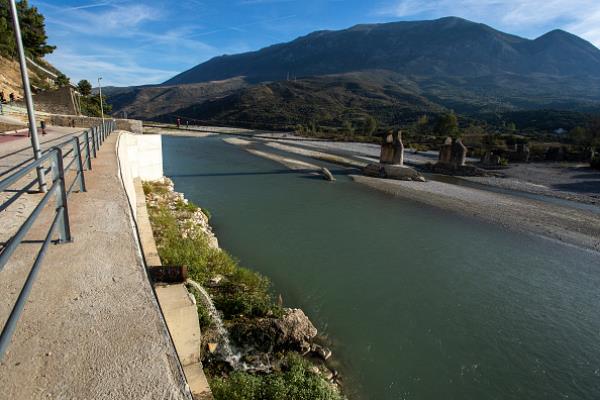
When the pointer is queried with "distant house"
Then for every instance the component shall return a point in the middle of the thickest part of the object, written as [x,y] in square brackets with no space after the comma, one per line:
[560,131]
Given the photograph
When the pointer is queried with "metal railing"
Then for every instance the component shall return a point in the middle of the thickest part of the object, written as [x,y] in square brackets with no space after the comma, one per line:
[64,161]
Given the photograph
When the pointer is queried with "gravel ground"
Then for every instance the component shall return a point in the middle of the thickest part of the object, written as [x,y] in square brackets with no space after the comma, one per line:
[575,182]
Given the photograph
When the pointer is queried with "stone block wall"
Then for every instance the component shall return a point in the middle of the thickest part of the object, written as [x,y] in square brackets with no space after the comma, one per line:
[57,101]
[131,125]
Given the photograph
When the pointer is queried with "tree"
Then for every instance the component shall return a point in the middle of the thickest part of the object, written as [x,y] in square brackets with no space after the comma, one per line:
[578,136]
[370,125]
[90,106]
[347,128]
[33,31]
[7,38]
[84,87]
[61,80]
[447,125]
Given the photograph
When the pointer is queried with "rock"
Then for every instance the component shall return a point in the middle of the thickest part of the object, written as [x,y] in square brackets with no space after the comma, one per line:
[399,172]
[295,330]
[322,352]
[215,280]
[327,174]
[212,347]
[328,375]
[292,331]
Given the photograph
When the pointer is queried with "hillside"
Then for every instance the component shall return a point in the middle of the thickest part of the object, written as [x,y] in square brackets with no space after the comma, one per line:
[324,100]
[10,77]
[146,102]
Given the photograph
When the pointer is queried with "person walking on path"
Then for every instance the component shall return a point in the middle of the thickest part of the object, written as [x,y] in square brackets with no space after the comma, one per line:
[43,126]
[178,123]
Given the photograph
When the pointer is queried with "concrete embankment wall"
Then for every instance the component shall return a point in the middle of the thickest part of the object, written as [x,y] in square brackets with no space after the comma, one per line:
[140,159]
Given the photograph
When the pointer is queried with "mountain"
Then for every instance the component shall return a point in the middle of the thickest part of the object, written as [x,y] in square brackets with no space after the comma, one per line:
[147,102]
[392,72]
[447,47]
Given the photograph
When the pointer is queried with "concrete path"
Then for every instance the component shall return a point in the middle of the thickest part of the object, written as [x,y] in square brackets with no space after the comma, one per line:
[16,152]
[92,328]
[17,148]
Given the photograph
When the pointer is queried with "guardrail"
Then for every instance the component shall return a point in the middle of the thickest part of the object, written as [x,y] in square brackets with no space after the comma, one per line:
[63,161]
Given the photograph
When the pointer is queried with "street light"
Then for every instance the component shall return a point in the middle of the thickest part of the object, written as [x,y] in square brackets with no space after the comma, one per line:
[101,106]
[35,143]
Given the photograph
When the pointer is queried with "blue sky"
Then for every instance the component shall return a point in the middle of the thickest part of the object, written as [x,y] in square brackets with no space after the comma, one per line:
[134,42]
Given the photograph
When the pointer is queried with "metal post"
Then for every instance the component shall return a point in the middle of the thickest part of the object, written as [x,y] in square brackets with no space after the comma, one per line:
[58,172]
[88,155]
[93,141]
[35,143]
[101,105]
[77,153]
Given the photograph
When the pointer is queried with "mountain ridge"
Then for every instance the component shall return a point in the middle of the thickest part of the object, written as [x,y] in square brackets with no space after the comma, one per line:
[448,46]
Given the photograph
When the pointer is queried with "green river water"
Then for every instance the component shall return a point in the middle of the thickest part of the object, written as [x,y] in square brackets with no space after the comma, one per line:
[418,303]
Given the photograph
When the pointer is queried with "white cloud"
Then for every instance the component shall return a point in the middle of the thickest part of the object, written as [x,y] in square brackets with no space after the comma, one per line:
[116,69]
[581,17]
[126,43]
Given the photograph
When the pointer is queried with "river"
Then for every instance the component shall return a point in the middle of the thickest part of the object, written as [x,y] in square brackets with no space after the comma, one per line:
[418,303]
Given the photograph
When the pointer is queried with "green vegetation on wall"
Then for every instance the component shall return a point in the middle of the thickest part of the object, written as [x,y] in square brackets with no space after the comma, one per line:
[244,292]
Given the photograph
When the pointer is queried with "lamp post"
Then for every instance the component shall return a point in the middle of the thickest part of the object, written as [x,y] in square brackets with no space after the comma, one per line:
[100,94]
[35,143]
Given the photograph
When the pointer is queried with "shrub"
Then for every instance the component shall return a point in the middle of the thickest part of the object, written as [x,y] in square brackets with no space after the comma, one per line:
[296,381]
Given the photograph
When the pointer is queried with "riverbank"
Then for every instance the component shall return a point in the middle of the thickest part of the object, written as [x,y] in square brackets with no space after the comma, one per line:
[252,345]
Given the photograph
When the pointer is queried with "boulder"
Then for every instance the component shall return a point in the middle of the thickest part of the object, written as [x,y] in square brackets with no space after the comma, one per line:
[294,330]
[322,352]
[398,172]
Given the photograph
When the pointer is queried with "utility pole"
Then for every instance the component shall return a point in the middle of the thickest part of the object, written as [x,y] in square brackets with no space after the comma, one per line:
[101,106]
[35,143]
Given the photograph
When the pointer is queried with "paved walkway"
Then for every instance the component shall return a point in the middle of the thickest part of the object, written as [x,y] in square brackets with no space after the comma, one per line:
[92,328]
[17,148]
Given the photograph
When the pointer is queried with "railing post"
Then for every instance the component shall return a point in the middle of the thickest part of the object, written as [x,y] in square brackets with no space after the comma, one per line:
[94,141]
[77,153]
[58,172]
[88,155]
